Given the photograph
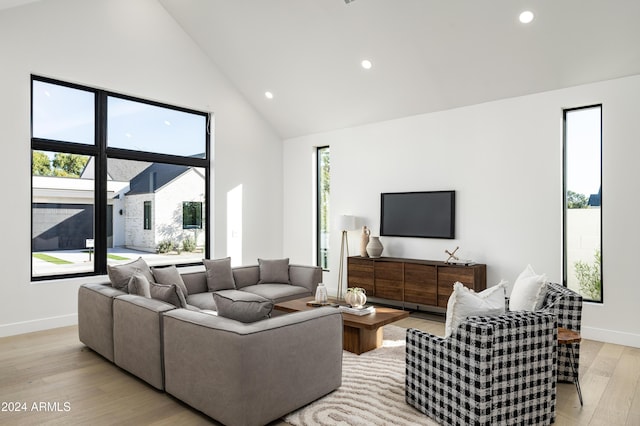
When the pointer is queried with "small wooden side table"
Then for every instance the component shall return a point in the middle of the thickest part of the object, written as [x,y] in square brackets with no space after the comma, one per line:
[567,337]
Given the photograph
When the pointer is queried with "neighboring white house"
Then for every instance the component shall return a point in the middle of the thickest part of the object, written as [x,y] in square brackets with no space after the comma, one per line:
[167,191]
[63,207]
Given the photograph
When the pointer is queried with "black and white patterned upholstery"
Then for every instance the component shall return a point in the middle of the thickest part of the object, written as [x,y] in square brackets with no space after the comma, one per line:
[492,370]
[566,304]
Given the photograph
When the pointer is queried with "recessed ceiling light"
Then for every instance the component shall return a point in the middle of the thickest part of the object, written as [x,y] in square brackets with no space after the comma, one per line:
[526,16]
[167,123]
[366,64]
[268,95]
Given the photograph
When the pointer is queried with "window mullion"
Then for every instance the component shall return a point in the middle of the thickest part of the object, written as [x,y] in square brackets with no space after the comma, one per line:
[100,211]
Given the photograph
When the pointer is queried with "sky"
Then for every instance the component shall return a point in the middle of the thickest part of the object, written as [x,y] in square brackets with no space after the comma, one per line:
[583,151]
[68,114]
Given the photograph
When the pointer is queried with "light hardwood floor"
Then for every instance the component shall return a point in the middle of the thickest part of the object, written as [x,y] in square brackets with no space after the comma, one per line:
[55,379]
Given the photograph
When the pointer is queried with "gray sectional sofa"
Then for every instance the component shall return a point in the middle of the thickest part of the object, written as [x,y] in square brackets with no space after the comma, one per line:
[214,363]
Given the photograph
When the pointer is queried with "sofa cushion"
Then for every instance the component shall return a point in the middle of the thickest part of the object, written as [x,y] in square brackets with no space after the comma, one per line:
[278,292]
[274,271]
[465,302]
[219,274]
[169,275]
[242,306]
[202,300]
[119,275]
[529,291]
[170,294]
[140,285]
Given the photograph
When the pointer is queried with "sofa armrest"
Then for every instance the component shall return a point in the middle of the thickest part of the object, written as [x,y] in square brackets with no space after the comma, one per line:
[305,276]
[137,337]
[246,275]
[95,317]
[251,374]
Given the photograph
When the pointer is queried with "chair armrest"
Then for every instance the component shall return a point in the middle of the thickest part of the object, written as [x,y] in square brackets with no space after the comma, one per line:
[566,304]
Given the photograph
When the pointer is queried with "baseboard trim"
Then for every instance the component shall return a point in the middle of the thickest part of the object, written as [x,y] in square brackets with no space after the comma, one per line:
[37,325]
[611,336]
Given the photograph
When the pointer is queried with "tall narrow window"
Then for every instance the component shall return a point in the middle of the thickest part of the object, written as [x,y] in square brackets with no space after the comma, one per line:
[147,215]
[324,187]
[583,201]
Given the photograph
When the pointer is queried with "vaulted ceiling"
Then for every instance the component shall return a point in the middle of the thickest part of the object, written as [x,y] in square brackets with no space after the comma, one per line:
[426,55]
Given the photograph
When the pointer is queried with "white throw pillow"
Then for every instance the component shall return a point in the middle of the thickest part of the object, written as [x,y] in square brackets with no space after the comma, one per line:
[465,302]
[528,291]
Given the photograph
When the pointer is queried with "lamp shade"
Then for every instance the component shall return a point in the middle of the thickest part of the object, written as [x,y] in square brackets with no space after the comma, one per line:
[346,222]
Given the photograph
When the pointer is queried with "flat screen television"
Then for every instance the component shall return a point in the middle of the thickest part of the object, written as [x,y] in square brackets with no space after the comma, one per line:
[426,214]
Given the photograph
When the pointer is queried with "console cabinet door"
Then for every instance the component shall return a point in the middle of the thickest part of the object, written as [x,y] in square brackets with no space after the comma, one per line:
[360,274]
[447,276]
[427,283]
[420,284]
[389,280]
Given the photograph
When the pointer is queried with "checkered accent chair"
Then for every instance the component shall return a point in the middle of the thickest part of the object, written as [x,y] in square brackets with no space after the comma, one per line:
[566,304]
[492,370]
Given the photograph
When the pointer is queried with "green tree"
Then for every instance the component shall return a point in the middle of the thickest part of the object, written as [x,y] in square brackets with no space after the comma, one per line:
[40,164]
[589,277]
[325,188]
[576,200]
[68,165]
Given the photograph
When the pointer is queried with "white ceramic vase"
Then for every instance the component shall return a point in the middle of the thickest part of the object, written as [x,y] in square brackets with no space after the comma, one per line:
[364,240]
[321,293]
[375,247]
[355,297]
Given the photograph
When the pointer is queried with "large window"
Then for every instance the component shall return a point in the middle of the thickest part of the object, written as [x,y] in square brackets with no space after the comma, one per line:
[583,201]
[110,174]
[322,202]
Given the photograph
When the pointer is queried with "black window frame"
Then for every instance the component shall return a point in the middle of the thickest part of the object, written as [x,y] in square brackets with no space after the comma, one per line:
[101,152]
[146,216]
[197,215]
[565,267]
[319,249]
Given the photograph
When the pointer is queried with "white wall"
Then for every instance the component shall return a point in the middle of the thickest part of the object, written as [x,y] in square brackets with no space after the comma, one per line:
[134,48]
[504,159]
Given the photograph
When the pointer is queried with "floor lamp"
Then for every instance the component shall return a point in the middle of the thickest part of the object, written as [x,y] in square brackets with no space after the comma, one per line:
[345,223]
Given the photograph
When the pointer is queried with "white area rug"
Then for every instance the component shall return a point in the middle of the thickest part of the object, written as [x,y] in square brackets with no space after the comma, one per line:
[372,391]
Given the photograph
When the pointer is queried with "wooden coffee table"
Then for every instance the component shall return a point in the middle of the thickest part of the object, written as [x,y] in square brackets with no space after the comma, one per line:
[361,333]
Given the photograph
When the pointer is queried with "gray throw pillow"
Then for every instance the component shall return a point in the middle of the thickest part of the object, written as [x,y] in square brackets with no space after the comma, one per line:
[169,275]
[168,293]
[140,285]
[219,274]
[274,271]
[119,275]
[242,306]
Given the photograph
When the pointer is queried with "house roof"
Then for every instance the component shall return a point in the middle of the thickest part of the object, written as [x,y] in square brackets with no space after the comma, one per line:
[125,170]
[117,170]
[154,177]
